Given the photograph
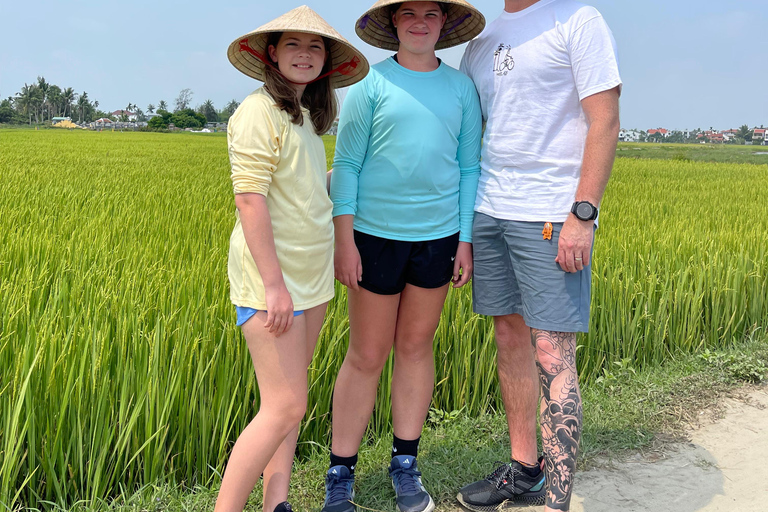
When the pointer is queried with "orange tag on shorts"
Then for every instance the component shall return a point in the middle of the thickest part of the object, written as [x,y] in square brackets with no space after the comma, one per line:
[547,233]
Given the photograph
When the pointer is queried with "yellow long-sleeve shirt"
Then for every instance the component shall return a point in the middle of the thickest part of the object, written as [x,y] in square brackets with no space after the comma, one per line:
[285,163]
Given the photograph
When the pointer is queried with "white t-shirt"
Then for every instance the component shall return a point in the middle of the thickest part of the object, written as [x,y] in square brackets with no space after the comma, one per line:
[532,69]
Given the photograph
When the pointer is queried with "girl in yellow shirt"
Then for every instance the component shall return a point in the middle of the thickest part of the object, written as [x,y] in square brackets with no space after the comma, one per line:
[281,249]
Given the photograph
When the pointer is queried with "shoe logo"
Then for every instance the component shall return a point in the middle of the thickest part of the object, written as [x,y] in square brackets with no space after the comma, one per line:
[539,485]
[334,472]
[406,461]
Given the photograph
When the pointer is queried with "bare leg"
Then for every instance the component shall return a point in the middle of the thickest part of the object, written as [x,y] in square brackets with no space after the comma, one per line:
[519,384]
[413,379]
[372,321]
[281,371]
[277,474]
[561,413]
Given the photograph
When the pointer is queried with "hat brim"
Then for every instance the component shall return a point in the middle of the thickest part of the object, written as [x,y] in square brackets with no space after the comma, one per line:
[464,22]
[246,52]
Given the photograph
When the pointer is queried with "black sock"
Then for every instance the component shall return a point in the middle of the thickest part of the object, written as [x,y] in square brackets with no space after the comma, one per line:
[402,447]
[349,462]
[530,470]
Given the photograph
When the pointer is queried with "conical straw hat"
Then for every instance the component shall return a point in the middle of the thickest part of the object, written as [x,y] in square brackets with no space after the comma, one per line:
[463,24]
[249,52]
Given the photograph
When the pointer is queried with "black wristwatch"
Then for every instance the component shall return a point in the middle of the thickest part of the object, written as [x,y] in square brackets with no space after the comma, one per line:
[584,210]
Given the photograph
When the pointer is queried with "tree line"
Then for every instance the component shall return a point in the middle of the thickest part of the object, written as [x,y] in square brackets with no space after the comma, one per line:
[41,101]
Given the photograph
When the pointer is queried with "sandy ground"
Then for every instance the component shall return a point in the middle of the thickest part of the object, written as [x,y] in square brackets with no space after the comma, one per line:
[723,468]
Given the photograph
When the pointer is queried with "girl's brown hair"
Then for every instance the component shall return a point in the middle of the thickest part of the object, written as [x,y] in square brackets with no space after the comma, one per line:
[319,97]
[395,7]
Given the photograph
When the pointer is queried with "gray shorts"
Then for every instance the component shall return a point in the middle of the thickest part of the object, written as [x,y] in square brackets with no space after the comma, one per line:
[515,273]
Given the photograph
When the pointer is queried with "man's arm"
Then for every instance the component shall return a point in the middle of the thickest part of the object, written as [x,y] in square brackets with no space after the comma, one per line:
[576,237]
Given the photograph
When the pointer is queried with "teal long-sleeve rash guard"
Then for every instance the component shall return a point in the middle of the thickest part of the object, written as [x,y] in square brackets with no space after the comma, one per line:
[407,158]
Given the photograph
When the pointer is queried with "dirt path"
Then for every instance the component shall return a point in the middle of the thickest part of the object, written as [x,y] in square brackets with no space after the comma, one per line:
[723,469]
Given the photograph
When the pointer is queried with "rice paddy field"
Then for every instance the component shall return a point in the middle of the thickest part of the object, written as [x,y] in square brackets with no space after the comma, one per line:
[120,362]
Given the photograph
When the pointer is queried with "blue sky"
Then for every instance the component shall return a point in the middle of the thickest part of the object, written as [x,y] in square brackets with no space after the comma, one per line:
[685,64]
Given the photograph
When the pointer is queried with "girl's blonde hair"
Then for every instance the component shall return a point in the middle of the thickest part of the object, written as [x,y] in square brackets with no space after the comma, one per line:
[319,97]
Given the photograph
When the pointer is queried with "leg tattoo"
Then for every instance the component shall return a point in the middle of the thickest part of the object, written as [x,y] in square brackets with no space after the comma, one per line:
[561,412]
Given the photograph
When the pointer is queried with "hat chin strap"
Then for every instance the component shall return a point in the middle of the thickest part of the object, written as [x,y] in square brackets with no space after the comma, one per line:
[345,68]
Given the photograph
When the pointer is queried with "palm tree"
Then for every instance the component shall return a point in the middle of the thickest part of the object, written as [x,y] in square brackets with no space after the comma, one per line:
[54,99]
[25,100]
[744,132]
[232,106]
[150,109]
[68,96]
[209,111]
[82,104]
[43,87]
[162,105]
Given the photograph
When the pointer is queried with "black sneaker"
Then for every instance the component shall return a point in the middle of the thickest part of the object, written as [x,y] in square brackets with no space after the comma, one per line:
[339,490]
[507,486]
[284,507]
[406,480]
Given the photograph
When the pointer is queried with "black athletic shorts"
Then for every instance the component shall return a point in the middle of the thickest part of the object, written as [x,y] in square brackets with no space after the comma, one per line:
[388,265]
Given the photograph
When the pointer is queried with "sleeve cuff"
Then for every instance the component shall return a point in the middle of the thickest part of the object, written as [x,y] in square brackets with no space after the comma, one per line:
[343,210]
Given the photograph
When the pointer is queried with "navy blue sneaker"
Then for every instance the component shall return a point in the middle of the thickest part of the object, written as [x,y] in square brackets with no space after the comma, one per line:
[507,486]
[339,490]
[284,507]
[406,479]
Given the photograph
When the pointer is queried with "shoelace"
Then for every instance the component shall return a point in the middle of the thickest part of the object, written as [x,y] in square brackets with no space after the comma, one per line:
[407,481]
[339,489]
[502,475]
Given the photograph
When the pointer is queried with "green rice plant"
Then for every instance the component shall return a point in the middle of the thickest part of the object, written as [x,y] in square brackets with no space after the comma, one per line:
[121,363]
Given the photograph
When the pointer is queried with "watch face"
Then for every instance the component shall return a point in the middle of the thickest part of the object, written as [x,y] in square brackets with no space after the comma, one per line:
[584,211]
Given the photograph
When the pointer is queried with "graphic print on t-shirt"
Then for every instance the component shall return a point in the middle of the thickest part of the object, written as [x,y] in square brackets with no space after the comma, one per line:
[503,62]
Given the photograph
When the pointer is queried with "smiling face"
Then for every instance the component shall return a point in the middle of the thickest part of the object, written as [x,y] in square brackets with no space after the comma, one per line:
[418,26]
[300,57]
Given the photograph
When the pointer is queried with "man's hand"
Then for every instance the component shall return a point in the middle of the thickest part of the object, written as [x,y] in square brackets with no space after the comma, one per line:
[462,265]
[279,310]
[347,265]
[575,244]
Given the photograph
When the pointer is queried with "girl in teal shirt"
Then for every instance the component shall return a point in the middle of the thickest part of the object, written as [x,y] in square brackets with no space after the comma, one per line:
[403,187]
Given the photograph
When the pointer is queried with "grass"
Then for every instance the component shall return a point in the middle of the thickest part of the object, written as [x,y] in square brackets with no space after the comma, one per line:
[627,411]
[122,367]
[721,153]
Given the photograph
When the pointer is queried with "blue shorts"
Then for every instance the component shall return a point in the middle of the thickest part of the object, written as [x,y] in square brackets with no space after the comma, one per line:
[515,273]
[245,314]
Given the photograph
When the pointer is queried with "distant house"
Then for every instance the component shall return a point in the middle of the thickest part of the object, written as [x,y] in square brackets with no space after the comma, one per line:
[59,119]
[629,135]
[714,137]
[216,127]
[131,115]
[758,134]
[661,131]
[104,122]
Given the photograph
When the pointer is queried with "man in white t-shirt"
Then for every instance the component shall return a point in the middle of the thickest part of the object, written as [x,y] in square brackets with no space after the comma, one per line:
[548,78]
